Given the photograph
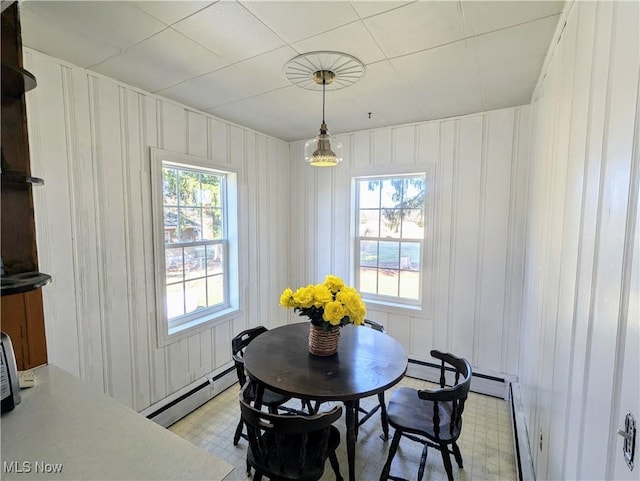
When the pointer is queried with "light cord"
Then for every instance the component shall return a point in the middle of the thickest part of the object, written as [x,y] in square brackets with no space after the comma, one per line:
[323,87]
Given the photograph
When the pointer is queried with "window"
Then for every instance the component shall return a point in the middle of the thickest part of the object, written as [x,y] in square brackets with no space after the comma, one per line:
[195,230]
[390,219]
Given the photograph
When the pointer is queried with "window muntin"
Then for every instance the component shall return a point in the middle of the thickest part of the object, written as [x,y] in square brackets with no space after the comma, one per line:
[390,215]
[195,221]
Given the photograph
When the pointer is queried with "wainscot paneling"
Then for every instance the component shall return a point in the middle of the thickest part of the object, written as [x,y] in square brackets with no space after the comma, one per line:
[579,237]
[90,141]
[476,170]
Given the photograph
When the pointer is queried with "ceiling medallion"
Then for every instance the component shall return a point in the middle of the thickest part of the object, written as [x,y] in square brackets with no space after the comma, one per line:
[301,70]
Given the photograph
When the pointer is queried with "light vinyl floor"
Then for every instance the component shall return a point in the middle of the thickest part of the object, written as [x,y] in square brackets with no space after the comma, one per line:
[486,442]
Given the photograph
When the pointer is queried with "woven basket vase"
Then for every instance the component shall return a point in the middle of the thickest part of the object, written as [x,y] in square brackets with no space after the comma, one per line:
[323,343]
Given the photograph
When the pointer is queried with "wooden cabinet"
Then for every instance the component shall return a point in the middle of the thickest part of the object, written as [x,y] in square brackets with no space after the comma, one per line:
[23,321]
[21,301]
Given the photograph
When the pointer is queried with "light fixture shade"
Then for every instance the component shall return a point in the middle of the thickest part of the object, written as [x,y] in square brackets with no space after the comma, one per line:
[321,151]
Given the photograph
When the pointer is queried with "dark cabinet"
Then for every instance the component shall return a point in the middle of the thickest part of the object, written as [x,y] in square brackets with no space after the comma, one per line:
[21,298]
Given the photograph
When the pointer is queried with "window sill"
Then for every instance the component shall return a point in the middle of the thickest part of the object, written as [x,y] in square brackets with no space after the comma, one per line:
[200,324]
[396,306]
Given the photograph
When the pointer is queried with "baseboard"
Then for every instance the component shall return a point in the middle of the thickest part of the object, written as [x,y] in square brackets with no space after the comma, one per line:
[496,385]
[524,461]
[190,398]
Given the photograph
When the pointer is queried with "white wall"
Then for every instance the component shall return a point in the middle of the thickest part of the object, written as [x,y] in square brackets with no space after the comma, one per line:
[476,181]
[89,139]
[584,118]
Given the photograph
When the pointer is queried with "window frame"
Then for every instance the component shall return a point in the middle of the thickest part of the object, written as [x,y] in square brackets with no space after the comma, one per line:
[381,299]
[189,324]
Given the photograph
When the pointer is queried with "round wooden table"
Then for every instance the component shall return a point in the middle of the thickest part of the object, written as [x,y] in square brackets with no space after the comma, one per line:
[367,362]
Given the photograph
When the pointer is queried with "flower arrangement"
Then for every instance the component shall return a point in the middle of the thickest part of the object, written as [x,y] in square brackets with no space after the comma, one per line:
[330,303]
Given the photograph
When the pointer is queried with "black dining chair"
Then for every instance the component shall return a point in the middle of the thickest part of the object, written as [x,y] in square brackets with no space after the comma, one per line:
[270,399]
[285,447]
[431,417]
[367,414]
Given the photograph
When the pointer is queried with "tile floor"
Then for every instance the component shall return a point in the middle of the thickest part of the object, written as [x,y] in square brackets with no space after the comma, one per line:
[486,442]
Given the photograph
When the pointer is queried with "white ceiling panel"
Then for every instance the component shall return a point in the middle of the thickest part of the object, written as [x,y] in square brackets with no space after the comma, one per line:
[511,77]
[264,72]
[264,113]
[514,44]
[353,37]
[417,26]
[423,59]
[229,30]
[294,21]
[120,24]
[163,60]
[391,107]
[233,82]
[378,77]
[46,36]
[482,17]
[170,12]
[367,8]
[444,79]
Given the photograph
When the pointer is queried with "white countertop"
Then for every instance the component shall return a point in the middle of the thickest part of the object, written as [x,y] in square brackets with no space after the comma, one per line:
[65,423]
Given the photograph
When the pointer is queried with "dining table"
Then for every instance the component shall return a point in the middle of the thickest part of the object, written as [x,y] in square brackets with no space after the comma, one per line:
[367,362]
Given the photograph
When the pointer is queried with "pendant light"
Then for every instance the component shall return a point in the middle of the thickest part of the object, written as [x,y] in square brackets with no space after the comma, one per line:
[317,151]
[323,70]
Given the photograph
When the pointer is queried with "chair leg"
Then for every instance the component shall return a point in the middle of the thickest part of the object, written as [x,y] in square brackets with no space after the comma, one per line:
[238,434]
[457,454]
[446,459]
[336,466]
[392,452]
[383,417]
[423,461]
[357,415]
[306,404]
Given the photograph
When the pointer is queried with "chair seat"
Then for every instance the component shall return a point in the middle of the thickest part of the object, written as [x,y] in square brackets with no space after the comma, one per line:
[283,460]
[414,415]
[269,397]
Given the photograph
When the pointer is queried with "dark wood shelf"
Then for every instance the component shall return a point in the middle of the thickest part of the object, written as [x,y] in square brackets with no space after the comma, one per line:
[23,282]
[16,81]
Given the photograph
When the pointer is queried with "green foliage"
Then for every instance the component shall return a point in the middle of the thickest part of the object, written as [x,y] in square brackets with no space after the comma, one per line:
[408,197]
[186,188]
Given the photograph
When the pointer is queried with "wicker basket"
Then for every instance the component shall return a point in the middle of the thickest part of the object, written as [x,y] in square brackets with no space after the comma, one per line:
[323,343]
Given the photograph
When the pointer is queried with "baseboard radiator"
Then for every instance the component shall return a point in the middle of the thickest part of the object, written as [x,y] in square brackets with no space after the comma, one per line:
[489,384]
[190,398]
[524,461]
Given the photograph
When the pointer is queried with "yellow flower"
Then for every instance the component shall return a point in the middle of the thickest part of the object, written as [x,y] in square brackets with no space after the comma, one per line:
[333,283]
[286,299]
[334,311]
[321,295]
[304,296]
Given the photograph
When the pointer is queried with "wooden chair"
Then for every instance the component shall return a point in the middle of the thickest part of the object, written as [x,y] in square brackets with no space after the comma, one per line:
[270,399]
[431,417]
[285,447]
[381,402]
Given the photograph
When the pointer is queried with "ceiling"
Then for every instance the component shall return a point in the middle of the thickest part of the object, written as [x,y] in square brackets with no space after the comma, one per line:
[423,60]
